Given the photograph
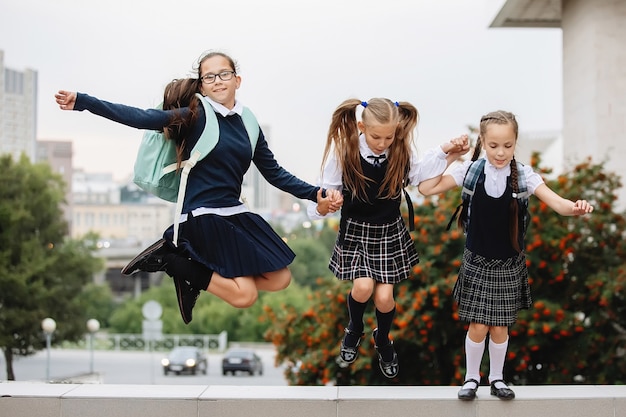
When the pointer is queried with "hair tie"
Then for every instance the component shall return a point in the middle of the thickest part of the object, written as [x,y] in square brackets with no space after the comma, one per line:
[397,104]
[364,103]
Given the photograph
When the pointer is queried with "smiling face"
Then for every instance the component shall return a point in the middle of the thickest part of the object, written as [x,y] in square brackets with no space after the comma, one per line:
[378,136]
[499,143]
[220,91]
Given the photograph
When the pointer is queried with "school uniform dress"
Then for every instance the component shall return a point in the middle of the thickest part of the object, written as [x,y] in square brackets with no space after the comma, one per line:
[373,240]
[492,285]
[216,228]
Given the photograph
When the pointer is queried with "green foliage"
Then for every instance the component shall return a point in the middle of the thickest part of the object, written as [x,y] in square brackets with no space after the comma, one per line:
[99,304]
[311,261]
[41,270]
[574,329]
[211,315]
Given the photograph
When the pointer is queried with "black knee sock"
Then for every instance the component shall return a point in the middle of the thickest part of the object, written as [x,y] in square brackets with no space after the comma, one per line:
[385,321]
[197,274]
[356,310]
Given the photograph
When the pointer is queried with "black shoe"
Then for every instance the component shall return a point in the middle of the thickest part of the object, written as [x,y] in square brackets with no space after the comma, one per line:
[502,393]
[389,369]
[348,354]
[467,394]
[186,296]
[149,260]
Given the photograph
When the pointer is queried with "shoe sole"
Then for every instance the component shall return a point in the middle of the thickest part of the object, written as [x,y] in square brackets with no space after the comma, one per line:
[130,268]
[179,297]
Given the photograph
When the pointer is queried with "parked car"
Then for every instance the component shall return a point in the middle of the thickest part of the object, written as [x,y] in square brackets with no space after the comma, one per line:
[239,359]
[185,359]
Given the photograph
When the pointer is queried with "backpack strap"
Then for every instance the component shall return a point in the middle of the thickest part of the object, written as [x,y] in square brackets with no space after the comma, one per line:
[469,186]
[521,182]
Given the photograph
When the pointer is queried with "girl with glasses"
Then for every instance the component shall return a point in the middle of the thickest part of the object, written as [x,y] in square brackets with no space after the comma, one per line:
[222,247]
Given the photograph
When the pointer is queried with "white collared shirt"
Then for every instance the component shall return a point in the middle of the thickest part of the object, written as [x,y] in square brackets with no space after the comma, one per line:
[432,164]
[495,178]
[223,110]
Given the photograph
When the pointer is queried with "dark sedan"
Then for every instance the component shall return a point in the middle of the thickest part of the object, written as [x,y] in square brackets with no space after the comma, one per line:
[185,359]
[245,360]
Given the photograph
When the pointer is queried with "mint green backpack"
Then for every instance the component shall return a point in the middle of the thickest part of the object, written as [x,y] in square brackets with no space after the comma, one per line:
[155,165]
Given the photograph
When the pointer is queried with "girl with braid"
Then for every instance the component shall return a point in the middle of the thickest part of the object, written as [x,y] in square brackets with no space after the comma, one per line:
[492,284]
[371,162]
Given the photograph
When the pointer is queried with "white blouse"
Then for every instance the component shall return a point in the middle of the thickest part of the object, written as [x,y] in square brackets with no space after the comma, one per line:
[432,164]
[495,178]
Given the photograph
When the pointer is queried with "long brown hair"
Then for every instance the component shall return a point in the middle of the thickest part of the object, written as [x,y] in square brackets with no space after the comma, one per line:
[502,117]
[343,134]
[180,93]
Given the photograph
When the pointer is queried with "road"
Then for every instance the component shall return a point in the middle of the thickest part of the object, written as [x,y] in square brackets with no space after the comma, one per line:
[110,367]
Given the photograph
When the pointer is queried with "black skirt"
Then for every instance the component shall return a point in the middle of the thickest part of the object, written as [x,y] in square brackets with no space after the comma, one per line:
[492,291]
[243,244]
[384,252]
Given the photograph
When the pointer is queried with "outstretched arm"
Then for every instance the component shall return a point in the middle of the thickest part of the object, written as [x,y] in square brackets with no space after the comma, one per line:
[562,205]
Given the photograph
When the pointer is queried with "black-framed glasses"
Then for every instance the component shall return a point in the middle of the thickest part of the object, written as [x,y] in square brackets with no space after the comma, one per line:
[224,76]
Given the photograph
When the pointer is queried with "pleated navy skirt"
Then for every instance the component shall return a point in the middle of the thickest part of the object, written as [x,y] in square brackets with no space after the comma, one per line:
[243,244]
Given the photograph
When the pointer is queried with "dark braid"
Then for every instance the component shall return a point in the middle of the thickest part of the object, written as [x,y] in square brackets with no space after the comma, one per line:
[513,218]
[461,221]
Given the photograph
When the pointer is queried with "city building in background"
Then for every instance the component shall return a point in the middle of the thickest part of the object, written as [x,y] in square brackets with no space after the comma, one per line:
[594,74]
[18,111]
[58,154]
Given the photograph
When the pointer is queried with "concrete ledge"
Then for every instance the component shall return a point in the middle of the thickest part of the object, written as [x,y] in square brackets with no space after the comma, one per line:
[27,399]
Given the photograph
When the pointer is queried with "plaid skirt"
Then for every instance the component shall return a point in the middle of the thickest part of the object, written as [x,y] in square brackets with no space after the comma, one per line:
[384,252]
[492,291]
[243,244]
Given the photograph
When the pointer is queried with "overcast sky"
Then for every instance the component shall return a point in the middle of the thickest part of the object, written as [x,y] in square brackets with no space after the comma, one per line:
[298,60]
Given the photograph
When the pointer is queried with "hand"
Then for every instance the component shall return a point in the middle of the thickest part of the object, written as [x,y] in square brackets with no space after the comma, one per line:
[329,204]
[336,199]
[457,146]
[581,207]
[65,99]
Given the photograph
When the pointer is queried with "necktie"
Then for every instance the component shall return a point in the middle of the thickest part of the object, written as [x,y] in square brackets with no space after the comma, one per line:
[377,160]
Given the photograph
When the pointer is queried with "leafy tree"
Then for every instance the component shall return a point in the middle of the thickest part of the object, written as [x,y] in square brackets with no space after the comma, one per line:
[575,327]
[211,315]
[311,261]
[41,271]
[99,303]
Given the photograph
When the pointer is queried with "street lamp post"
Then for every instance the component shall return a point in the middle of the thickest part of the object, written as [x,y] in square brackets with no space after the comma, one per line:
[93,326]
[48,325]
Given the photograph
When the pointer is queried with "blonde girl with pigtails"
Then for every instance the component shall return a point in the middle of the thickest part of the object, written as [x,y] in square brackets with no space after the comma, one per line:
[370,161]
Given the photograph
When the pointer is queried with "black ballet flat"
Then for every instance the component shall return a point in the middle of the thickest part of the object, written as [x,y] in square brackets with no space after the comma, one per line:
[468,394]
[502,393]
[349,354]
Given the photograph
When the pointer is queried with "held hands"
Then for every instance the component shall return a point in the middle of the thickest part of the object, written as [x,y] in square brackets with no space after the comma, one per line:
[581,207]
[329,204]
[456,148]
[65,99]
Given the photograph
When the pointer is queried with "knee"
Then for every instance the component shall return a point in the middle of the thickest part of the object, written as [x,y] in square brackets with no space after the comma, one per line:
[283,282]
[384,303]
[362,292]
[245,300]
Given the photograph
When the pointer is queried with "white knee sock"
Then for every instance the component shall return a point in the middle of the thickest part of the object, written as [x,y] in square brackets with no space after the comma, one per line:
[497,355]
[473,357]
